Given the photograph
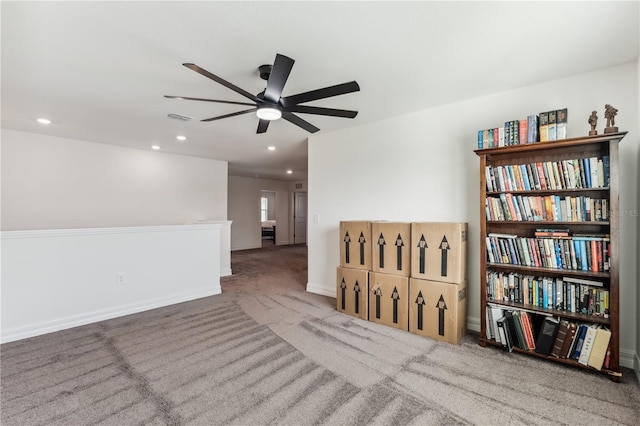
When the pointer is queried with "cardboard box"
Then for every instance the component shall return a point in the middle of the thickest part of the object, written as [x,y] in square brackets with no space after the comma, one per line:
[438,310]
[352,292]
[389,300]
[391,248]
[355,244]
[439,251]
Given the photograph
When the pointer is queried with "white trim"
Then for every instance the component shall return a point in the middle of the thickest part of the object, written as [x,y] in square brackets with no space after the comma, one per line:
[636,366]
[42,233]
[473,324]
[105,314]
[316,289]
[226,273]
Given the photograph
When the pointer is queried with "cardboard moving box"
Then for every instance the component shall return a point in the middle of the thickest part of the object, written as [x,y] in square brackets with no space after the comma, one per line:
[352,292]
[391,251]
[355,244]
[388,300]
[438,310]
[439,251]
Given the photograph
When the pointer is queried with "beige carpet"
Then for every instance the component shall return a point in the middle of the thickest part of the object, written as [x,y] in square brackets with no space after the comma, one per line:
[265,352]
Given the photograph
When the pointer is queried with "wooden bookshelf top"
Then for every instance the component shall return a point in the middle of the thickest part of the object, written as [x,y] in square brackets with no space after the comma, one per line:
[561,143]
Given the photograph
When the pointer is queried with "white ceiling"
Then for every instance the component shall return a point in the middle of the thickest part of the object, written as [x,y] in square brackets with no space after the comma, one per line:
[99,70]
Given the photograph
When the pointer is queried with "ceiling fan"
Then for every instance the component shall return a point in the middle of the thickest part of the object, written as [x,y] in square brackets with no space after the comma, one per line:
[270,105]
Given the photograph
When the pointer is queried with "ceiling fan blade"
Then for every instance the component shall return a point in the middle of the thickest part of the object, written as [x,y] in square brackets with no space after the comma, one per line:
[233,114]
[225,83]
[262,126]
[291,118]
[208,100]
[304,109]
[278,77]
[327,92]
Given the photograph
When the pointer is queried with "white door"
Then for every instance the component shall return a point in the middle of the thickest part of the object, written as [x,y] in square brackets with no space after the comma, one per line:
[299,217]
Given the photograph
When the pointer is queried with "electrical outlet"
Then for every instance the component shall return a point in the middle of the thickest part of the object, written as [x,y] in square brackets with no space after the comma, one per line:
[121,278]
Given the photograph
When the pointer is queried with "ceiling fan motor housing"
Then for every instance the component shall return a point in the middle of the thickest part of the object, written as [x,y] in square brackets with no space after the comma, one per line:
[265,71]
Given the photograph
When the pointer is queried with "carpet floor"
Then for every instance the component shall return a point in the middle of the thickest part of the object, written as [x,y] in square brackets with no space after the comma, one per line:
[266,352]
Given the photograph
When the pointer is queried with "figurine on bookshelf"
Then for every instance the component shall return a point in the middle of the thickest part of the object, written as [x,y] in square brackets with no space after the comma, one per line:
[593,121]
[610,114]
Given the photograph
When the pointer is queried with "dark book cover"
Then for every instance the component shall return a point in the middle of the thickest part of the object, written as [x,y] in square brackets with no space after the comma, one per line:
[512,331]
[568,341]
[547,336]
[503,329]
[577,349]
[563,328]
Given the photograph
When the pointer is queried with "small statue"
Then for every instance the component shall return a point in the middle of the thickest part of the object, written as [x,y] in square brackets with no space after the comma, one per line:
[610,114]
[593,121]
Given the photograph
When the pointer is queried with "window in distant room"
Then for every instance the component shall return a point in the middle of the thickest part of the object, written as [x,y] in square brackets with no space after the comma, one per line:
[264,209]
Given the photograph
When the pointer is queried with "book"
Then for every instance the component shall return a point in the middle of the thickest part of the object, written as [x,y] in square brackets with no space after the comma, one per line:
[527,325]
[507,343]
[547,336]
[523,131]
[511,330]
[579,341]
[561,335]
[583,281]
[519,331]
[543,120]
[551,126]
[568,340]
[561,124]
[587,345]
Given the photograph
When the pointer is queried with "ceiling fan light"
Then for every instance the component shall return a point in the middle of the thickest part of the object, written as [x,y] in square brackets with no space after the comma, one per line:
[268,113]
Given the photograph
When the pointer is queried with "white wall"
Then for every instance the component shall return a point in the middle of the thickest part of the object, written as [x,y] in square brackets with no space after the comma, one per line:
[421,167]
[637,358]
[244,211]
[57,279]
[52,183]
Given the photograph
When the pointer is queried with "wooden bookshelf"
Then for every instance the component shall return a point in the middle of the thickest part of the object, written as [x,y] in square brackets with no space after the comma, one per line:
[599,146]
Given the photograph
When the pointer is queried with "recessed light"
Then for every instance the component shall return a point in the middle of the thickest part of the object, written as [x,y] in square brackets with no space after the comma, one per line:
[156,147]
[289,172]
[44,121]
[271,148]
[181,138]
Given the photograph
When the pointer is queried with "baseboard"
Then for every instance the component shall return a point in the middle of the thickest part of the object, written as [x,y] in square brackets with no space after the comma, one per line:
[627,359]
[316,289]
[636,366]
[226,273]
[473,324]
[246,247]
[105,314]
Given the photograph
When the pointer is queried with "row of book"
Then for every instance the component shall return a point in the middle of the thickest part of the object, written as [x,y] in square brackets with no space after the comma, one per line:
[586,343]
[569,294]
[552,208]
[581,253]
[553,125]
[590,172]
[547,126]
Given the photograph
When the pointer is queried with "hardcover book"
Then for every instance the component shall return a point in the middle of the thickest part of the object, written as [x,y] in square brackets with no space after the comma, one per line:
[544,126]
[599,350]
[547,335]
[561,124]
[551,129]
[587,345]
[568,340]
[561,335]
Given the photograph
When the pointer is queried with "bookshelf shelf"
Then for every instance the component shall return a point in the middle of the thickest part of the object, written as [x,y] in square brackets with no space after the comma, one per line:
[548,271]
[595,290]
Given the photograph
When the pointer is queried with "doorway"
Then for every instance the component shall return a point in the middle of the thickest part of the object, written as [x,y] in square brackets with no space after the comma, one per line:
[268,216]
[299,217]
